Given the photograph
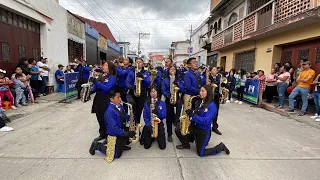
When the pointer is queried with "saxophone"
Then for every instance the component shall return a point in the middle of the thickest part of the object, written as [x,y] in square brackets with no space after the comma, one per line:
[154,121]
[208,76]
[132,125]
[153,73]
[224,91]
[137,83]
[185,119]
[173,91]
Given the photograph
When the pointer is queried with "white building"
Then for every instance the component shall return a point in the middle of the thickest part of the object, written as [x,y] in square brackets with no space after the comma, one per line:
[46,20]
[124,49]
[180,51]
[197,41]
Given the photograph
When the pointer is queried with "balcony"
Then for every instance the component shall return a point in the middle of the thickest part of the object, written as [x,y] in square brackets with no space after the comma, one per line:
[268,19]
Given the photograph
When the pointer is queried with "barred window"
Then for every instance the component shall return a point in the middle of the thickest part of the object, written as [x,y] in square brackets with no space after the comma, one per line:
[303,54]
[287,55]
[22,51]
[318,56]
[5,51]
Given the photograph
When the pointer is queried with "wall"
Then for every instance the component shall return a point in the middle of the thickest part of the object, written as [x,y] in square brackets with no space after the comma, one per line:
[92,50]
[53,29]
[264,59]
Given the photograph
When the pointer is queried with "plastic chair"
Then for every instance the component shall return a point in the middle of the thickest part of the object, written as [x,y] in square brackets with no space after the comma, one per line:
[6,105]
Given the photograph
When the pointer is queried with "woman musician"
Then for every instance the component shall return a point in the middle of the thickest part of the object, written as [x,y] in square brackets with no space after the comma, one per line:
[153,114]
[200,128]
[102,87]
[168,83]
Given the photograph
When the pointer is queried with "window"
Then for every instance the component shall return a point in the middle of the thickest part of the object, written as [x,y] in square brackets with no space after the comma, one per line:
[5,52]
[287,55]
[318,56]
[233,18]
[210,31]
[219,24]
[36,54]
[215,28]
[22,52]
[303,54]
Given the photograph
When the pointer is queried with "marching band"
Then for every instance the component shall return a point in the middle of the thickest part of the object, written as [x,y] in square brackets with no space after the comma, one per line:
[184,97]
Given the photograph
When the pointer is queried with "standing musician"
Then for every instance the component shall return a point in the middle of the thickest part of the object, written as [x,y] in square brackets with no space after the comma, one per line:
[192,80]
[122,74]
[137,101]
[153,114]
[118,134]
[167,90]
[215,78]
[200,127]
[163,72]
[102,87]
[84,73]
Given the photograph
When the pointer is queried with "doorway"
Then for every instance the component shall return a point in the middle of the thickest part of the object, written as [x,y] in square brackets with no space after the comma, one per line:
[223,62]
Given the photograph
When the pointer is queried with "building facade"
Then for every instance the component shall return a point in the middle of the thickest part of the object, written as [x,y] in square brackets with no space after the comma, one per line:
[76,39]
[124,48]
[254,35]
[197,41]
[92,37]
[180,51]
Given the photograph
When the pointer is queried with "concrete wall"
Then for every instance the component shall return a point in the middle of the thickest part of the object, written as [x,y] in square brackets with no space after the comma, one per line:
[181,48]
[265,60]
[53,29]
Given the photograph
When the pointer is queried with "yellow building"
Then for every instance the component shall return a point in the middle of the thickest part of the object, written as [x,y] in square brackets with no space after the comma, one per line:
[256,34]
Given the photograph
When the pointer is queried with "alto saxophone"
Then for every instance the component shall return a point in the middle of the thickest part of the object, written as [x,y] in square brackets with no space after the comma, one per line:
[132,125]
[224,90]
[137,83]
[154,121]
[153,73]
[173,91]
[185,119]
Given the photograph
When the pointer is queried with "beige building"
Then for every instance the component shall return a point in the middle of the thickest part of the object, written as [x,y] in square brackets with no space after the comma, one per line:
[255,34]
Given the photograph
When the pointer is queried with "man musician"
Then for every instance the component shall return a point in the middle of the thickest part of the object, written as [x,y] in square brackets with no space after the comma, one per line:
[122,74]
[137,101]
[163,72]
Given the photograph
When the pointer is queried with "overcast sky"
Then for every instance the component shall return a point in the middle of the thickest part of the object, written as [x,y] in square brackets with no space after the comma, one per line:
[165,20]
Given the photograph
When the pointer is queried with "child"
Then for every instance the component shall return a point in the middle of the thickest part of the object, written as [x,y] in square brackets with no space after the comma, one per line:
[19,87]
[241,83]
[4,89]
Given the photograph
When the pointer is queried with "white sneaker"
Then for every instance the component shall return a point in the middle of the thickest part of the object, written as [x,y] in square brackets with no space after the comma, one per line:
[6,129]
[318,119]
[231,100]
[228,101]
[314,117]
[240,102]
[18,105]
[13,107]
[236,101]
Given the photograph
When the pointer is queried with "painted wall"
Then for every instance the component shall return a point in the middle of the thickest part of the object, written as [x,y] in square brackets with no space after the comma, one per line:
[264,59]
[53,29]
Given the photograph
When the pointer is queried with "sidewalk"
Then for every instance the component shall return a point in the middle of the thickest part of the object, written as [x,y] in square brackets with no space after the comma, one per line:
[41,103]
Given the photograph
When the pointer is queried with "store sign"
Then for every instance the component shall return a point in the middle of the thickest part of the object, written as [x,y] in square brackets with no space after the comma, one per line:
[113,46]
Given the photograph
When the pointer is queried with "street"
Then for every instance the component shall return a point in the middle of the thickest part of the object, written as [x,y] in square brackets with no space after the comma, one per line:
[53,143]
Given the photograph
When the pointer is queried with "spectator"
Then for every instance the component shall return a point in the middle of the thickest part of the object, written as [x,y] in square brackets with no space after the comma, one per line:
[231,84]
[34,71]
[3,127]
[24,65]
[316,95]
[271,86]
[304,81]
[60,78]
[241,83]
[277,67]
[68,69]
[291,71]
[4,89]
[262,78]
[44,74]
[283,81]
[298,71]
[25,80]
[19,87]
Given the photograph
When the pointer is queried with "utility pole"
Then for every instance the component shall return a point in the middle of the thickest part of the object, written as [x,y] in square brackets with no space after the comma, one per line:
[141,36]
[189,49]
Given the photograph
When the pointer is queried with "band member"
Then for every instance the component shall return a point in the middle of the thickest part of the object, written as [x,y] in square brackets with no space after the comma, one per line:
[167,90]
[153,114]
[162,74]
[137,101]
[200,128]
[122,74]
[84,73]
[102,87]
[215,78]
[118,134]
[193,80]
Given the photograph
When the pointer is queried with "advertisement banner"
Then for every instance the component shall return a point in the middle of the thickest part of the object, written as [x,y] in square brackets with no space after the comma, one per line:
[70,81]
[251,91]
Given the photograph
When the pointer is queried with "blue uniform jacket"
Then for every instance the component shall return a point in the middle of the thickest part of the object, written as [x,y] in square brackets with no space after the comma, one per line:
[113,121]
[165,87]
[191,83]
[85,71]
[204,120]
[160,76]
[122,74]
[106,86]
[216,80]
[162,112]
[145,82]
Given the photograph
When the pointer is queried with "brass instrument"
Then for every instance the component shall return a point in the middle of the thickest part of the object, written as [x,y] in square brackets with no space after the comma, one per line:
[224,90]
[185,119]
[137,82]
[132,125]
[208,76]
[153,73]
[173,91]
[154,121]
[87,86]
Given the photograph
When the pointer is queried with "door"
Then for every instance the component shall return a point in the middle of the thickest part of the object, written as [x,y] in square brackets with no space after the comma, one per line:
[223,62]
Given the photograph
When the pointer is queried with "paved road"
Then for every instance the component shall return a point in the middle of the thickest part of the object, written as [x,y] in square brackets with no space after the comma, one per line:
[54,143]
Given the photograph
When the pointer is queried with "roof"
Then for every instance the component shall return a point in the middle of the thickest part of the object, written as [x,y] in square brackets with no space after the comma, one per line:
[102,28]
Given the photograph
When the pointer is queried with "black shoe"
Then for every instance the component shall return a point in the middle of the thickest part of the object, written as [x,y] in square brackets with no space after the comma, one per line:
[215,130]
[105,141]
[302,114]
[183,146]
[170,139]
[93,147]
[225,149]
[99,138]
[44,94]
[141,141]
[290,110]
[127,148]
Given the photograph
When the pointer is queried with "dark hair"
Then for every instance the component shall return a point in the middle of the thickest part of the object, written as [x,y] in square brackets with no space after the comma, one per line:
[287,68]
[18,67]
[304,59]
[130,60]
[111,67]
[138,59]
[242,72]
[209,97]
[30,60]
[233,70]
[190,59]
[18,75]
[176,76]
[113,93]
[22,60]
[261,71]
[279,65]
[149,97]
[289,63]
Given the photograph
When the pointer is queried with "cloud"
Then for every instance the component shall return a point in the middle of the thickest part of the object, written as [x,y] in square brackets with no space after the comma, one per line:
[165,20]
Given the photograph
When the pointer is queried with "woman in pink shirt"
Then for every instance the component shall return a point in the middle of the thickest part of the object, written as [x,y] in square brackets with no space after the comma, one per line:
[271,88]
[283,81]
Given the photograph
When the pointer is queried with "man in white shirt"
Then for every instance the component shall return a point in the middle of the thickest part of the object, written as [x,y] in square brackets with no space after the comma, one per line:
[44,69]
